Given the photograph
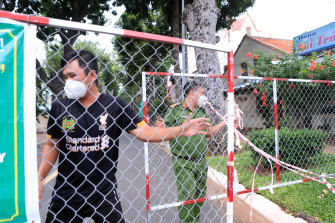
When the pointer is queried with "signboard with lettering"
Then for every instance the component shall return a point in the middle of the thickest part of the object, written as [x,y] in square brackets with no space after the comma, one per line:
[18,156]
[315,40]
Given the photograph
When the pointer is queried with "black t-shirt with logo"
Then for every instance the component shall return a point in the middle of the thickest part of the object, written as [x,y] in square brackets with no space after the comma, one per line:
[89,145]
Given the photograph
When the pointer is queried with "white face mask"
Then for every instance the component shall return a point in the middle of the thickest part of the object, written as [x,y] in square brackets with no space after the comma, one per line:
[75,89]
[202,101]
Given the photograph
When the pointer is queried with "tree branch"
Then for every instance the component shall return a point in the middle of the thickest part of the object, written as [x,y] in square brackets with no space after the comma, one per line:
[54,83]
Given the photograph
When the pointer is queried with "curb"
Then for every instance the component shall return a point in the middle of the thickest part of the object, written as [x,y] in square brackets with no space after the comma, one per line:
[263,210]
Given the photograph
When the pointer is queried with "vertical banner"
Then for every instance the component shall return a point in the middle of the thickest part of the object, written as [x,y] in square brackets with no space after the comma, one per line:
[18,155]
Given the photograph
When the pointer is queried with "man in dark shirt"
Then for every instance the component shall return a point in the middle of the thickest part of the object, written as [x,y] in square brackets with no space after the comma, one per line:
[83,132]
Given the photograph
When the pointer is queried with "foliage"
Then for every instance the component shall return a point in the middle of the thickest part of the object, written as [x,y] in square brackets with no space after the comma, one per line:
[295,66]
[307,198]
[137,56]
[296,146]
[294,98]
[304,199]
[79,11]
[109,70]
[229,9]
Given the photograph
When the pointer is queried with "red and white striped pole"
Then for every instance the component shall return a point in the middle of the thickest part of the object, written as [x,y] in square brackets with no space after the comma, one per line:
[276,119]
[59,23]
[146,146]
[230,149]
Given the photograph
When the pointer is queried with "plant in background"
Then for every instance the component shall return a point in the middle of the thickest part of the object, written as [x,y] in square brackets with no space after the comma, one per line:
[297,147]
[295,99]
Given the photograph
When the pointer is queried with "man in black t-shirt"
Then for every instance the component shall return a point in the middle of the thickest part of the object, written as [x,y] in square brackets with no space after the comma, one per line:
[83,132]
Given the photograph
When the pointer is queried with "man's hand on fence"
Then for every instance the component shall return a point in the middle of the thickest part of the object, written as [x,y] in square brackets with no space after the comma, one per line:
[160,123]
[195,126]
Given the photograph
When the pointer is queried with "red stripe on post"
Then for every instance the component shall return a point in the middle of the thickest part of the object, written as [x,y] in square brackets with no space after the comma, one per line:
[231,72]
[230,191]
[147,192]
[278,170]
[145,112]
[275,113]
[231,157]
[25,18]
[230,174]
[153,37]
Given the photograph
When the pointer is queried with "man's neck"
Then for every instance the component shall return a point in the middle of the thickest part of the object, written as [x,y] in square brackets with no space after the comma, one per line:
[189,104]
[90,97]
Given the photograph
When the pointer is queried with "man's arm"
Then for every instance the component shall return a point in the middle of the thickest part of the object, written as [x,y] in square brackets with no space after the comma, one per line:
[158,134]
[215,129]
[47,160]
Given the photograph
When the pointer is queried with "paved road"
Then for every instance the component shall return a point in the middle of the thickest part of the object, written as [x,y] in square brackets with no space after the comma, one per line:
[131,178]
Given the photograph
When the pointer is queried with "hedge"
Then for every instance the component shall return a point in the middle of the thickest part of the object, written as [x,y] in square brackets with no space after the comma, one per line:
[296,147]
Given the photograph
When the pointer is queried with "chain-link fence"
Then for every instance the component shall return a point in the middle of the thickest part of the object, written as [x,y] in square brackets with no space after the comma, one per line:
[77,182]
[181,177]
[290,119]
[141,77]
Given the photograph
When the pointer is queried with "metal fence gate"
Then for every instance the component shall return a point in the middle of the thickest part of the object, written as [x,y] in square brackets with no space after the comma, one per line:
[139,69]
[120,72]
[291,120]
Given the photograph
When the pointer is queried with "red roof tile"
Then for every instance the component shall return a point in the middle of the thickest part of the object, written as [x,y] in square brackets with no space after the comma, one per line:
[238,24]
[281,44]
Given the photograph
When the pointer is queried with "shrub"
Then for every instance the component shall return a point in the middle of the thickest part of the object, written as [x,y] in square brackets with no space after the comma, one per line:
[296,147]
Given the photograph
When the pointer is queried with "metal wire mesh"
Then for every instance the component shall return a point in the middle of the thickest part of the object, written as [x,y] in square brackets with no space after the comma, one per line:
[300,112]
[120,69]
[303,114]
[163,158]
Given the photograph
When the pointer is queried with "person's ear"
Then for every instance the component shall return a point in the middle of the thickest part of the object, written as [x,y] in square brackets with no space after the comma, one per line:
[94,75]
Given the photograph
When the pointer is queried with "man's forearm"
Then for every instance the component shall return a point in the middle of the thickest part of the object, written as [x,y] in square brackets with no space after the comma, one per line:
[159,134]
[215,129]
[48,158]
[190,127]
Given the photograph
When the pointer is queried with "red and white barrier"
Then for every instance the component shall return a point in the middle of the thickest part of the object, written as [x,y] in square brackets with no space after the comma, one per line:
[230,161]
[58,23]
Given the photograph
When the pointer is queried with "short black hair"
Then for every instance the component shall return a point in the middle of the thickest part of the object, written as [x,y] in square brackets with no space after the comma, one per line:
[191,85]
[86,60]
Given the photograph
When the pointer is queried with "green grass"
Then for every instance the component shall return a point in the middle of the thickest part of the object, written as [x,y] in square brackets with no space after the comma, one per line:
[299,198]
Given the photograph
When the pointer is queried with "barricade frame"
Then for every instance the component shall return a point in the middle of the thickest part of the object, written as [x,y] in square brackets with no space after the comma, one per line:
[58,23]
[230,162]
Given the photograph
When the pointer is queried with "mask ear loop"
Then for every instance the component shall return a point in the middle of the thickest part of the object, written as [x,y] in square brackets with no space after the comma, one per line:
[91,82]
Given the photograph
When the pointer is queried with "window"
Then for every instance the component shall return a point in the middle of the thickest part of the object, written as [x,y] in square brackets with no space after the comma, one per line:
[244,69]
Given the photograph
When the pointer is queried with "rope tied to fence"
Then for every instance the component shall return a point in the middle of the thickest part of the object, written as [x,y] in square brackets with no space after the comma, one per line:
[294,169]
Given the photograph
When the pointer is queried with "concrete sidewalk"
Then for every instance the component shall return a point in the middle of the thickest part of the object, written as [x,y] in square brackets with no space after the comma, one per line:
[263,210]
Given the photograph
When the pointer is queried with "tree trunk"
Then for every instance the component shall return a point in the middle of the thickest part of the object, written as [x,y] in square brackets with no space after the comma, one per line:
[177,91]
[55,80]
[201,17]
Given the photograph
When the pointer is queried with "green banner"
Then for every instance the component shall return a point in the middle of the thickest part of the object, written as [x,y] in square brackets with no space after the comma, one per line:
[12,137]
